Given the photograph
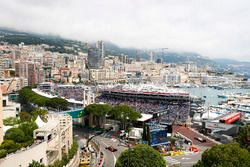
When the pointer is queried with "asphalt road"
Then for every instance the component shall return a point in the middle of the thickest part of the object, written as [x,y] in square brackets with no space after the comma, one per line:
[104,141]
[188,160]
[110,157]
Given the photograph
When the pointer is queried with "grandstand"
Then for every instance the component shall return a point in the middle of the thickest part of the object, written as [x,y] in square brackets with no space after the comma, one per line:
[165,104]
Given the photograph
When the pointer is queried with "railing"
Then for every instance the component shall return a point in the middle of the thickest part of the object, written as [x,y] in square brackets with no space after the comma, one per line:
[23,149]
[75,161]
[53,158]
[53,143]
[100,156]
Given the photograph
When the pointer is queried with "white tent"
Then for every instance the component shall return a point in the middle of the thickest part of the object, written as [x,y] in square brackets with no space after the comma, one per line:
[145,117]
[5,128]
[210,115]
[39,122]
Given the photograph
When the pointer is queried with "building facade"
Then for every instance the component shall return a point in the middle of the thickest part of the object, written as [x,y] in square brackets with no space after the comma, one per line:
[1,118]
[52,140]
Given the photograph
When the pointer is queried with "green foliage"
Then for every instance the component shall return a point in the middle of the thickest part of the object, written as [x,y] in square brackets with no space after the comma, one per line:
[66,158]
[41,112]
[98,109]
[26,95]
[58,43]
[25,116]
[172,140]
[15,138]
[243,137]
[28,128]
[148,135]
[73,150]
[124,113]
[35,164]
[11,121]
[144,133]
[28,142]
[57,103]
[141,155]
[10,146]
[3,153]
[15,134]
[228,155]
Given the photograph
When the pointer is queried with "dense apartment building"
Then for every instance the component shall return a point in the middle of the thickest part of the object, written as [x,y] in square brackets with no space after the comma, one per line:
[1,118]
[29,70]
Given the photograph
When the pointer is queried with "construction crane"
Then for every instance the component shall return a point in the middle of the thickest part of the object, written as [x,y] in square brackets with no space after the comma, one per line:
[162,54]
[10,83]
[151,53]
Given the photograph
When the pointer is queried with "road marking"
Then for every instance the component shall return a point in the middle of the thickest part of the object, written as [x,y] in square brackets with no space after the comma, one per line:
[111,152]
[171,161]
[185,158]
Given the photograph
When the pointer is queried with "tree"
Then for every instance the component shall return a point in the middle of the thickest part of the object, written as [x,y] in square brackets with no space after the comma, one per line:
[28,129]
[144,133]
[125,114]
[57,103]
[11,121]
[148,135]
[229,155]
[15,134]
[98,112]
[98,109]
[40,101]
[3,153]
[24,95]
[243,137]
[24,116]
[35,164]
[10,146]
[41,112]
[141,155]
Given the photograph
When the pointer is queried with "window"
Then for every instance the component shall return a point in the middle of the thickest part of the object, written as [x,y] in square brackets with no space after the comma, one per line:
[41,160]
[4,103]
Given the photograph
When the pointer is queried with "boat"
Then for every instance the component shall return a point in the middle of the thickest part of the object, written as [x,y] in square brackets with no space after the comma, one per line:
[222,96]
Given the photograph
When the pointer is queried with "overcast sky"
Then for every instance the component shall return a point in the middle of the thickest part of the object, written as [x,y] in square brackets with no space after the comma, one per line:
[213,28]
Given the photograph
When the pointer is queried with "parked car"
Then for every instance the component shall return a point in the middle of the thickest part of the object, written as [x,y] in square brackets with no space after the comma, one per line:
[111,148]
[200,139]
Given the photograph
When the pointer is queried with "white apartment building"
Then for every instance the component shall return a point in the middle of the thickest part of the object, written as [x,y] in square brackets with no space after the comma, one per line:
[213,80]
[51,140]
[173,78]
[9,108]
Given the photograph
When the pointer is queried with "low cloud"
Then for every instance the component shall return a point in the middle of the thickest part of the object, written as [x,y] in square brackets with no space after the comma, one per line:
[211,28]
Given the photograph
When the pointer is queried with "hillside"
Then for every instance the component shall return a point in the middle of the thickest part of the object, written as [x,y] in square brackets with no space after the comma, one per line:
[58,43]
[16,37]
[168,57]
[234,65]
